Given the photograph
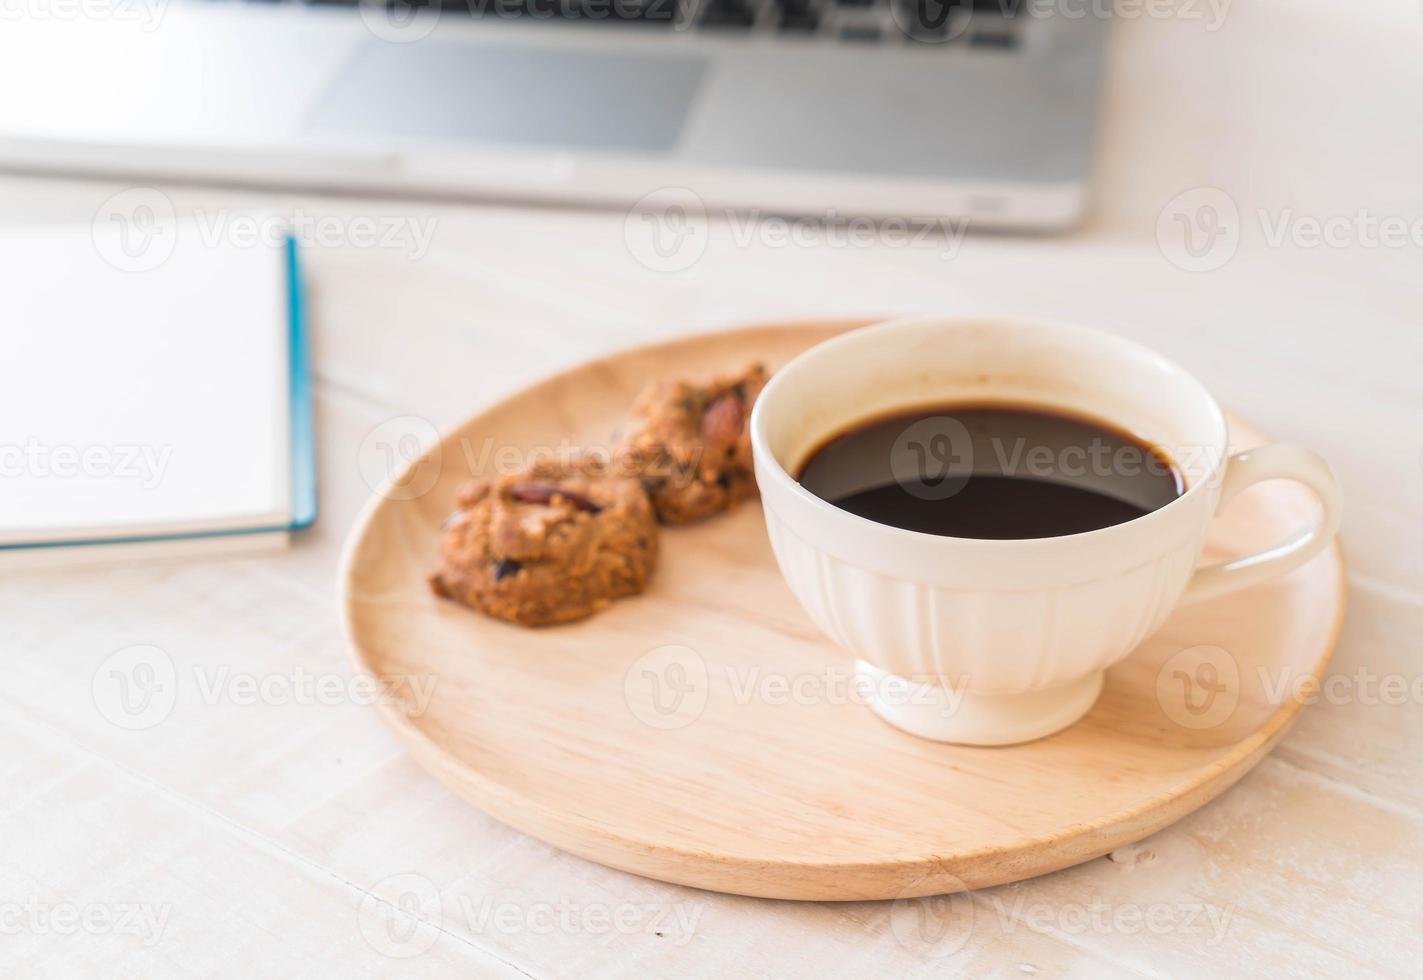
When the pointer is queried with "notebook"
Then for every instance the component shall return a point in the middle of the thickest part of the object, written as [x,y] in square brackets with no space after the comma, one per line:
[147,407]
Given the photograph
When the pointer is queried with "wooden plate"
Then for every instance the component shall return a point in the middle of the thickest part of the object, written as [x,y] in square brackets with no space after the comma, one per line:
[706,734]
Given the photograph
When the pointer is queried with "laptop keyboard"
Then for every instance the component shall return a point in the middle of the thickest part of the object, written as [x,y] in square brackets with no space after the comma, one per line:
[989,25]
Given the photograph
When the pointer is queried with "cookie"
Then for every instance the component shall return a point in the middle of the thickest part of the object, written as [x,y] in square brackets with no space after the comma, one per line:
[689,444]
[552,543]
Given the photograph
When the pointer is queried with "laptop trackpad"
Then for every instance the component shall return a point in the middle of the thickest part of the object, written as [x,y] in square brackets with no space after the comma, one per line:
[511,94]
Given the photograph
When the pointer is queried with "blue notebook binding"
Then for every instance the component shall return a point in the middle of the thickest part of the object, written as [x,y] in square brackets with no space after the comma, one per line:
[303,425]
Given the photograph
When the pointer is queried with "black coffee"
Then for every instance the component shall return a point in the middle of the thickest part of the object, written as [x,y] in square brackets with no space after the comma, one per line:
[990,471]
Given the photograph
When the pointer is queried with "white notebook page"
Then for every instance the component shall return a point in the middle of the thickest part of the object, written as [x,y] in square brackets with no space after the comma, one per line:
[141,402]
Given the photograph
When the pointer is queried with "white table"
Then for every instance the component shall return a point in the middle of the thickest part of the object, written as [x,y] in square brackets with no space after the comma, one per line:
[244,839]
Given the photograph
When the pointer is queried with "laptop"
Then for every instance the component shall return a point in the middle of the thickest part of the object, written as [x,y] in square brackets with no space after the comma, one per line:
[977,110]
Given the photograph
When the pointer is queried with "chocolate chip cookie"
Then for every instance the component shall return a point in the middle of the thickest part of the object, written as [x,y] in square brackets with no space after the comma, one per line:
[553,543]
[689,444]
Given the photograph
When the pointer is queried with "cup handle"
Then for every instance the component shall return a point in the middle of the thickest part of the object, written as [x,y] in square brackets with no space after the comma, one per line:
[1276,462]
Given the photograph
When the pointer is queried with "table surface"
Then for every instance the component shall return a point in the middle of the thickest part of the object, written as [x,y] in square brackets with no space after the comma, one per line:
[260,830]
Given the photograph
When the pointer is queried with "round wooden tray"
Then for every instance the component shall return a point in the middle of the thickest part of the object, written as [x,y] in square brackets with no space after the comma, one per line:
[705,733]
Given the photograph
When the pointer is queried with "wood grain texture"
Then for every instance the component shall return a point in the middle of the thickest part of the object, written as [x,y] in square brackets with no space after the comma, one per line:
[775,782]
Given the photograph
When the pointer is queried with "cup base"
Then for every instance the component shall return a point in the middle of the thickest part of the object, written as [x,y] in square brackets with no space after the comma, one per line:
[965,718]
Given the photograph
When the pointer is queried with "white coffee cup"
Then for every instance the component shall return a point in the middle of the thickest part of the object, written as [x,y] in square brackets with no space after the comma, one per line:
[991,642]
